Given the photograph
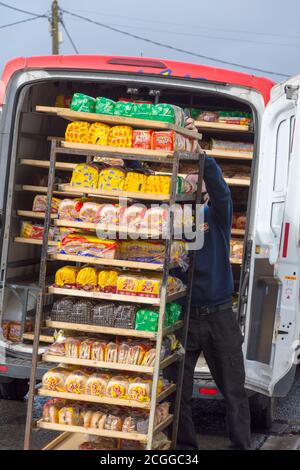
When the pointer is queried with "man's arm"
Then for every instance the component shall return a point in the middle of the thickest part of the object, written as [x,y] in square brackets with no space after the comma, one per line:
[219,192]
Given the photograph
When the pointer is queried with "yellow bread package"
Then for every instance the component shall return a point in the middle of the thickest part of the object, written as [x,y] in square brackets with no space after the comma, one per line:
[158,184]
[135,182]
[77,132]
[120,136]
[87,278]
[98,134]
[85,175]
[149,286]
[111,178]
[128,284]
[66,276]
[107,281]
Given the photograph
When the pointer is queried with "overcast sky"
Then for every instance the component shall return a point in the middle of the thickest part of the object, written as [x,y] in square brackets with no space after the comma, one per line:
[257,33]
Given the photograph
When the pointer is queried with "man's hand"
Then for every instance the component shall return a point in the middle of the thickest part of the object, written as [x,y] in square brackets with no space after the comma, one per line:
[190,124]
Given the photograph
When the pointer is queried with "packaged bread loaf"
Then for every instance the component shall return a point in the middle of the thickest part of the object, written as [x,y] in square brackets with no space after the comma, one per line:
[158,184]
[83,244]
[132,216]
[136,354]
[66,276]
[155,218]
[51,409]
[108,215]
[107,281]
[57,349]
[113,423]
[98,134]
[139,389]
[72,347]
[128,284]
[89,212]
[118,387]
[70,415]
[135,182]
[98,420]
[123,108]
[62,309]
[142,110]
[168,141]
[76,382]
[82,103]
[55,379]
[97,384]
[36,231]
[120,136]
[40,203]
[87,278]
[85,175]
[149,358]
[77,132]
[125,316]
[98,351]
[103,314]
[81,312]
[111,352]
[142,139]
[111,178]
[149,286]
[168,113]
[85,350]
[129,424]
[104,106]
[69,209]
[142,250]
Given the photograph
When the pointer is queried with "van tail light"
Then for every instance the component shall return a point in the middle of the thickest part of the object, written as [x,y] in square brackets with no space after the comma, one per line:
[285,240]
[136,62]
[3,368]
[207,391]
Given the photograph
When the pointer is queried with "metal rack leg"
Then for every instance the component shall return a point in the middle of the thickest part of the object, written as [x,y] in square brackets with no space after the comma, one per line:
[40,299]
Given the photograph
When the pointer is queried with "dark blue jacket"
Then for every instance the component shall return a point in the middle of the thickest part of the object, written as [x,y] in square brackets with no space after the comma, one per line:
[213,281]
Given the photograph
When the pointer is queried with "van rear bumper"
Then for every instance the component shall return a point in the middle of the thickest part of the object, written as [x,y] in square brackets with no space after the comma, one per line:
[20,369]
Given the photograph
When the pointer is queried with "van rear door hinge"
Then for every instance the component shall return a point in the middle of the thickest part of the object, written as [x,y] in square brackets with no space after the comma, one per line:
[291,92]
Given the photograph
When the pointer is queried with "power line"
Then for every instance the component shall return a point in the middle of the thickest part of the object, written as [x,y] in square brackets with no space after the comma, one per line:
[222,38]
[191,25]
[22,11]
[69,36]
[168,46]
[21,21]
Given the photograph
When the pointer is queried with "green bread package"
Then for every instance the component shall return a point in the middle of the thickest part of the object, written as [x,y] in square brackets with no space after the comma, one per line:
[123,108]
[147,320]
[104,106]
[142,110]
[83,103]
[168,113]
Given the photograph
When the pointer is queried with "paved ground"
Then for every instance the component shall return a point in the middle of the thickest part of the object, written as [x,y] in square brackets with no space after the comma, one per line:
[209,417]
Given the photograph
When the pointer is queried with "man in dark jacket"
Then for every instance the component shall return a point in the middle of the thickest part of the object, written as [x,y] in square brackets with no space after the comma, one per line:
[213,329]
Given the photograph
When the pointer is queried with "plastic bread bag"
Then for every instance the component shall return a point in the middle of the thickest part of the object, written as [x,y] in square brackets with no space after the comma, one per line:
[51,409]
[132,216]
[158,184]
[40,203]
[82,103]
[61,309]
[55,379]
[57,349]
[155,218]
[85,175]
[98,134]
[130,424]
[136,354]
[82,244]
[82,312]
[76,382]
[89,212]
[125,316]
[111,178]
[66,276]
[174,285]
[168,113]
[173,312]
[142,250]
[142,139]
[97,384]
[103,314]
[162,412]
[123,108]
[127,284]
[139,389]
[108,215]
[111,352]
[149,286]
[123,352]
[69,209]
[113,423]
[118,387]
[149,358]
[85,350]
[98,420]
[160,440]
[135,182]
[107,281]
[98,351]
[77,132]
[179,254]
[69,415]
[120,136]
[146,320]
[142,110]
[87,278]
[36,231]
[104,106]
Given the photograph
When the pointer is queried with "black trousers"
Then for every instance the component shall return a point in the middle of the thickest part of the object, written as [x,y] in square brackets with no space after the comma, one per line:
[218,336]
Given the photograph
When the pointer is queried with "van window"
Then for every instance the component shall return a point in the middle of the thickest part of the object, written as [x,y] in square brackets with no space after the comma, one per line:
[283,146]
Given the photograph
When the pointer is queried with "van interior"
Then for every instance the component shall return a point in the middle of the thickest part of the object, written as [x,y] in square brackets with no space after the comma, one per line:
[29,177]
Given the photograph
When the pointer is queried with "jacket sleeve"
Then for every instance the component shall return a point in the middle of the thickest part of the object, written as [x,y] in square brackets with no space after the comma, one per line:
[219,193]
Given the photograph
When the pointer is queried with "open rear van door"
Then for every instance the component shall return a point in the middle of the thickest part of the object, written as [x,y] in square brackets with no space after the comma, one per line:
[270,297]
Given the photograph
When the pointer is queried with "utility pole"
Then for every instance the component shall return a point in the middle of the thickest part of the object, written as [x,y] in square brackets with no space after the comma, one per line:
[54,27]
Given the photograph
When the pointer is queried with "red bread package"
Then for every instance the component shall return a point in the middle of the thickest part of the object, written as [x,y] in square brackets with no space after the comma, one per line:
[168,141]
[142,139]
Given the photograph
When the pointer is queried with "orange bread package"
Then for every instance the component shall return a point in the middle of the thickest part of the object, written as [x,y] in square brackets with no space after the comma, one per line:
[77,131]
[142,139]
[120,136]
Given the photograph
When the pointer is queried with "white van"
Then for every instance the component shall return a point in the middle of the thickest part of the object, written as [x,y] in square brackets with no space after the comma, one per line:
[264,185]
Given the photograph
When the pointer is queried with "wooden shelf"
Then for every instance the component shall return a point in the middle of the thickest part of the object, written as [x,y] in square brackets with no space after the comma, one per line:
[111,330]
[229,154]
[220,126]
[43,338]
[106,400]
[238,181]
[97,364]
[71,115]
[110,262]
[46,164]
[107,228]
[132,436]
[114,297]
[34,215]
[44,190]
[237,231]
[33,241]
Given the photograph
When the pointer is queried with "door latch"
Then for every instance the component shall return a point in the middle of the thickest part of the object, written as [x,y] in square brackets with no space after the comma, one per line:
[291,92]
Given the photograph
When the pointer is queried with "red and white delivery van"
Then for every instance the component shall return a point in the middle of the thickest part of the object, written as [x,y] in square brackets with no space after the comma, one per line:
[264,186]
